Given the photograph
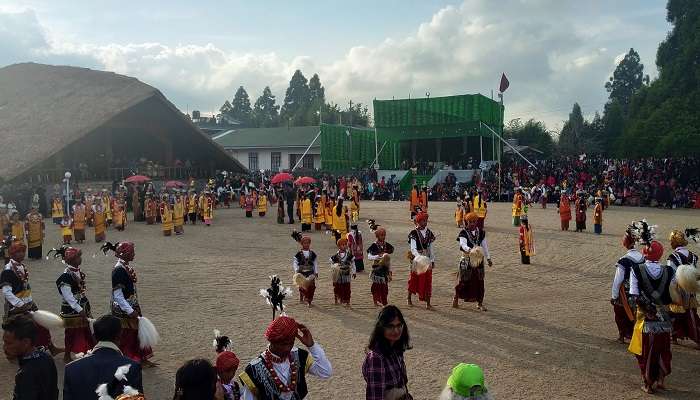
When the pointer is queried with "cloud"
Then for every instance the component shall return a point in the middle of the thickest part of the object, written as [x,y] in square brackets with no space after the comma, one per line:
[554,53]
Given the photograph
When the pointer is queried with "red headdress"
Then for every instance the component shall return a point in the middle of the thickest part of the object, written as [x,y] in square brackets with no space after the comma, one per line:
[421,217]
[281,329]
[225,361]
[653,251]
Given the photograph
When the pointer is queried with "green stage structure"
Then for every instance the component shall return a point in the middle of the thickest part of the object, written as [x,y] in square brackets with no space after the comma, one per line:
[438,129]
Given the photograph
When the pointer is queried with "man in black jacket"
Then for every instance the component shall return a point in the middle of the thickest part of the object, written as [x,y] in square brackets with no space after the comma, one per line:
[84,375]
[36,378]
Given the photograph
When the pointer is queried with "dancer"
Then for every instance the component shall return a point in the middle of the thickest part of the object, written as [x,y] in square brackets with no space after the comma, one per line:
[564,211]
[207,208]
[305,264]
[226,365]
[354,204]
[306,211]
[151,209]
[125,303]
[480,207]
[581,207]
[192,202]
[99,219]
[343,268]
[34,226]
[414,203]
[249,204]
[379,253]
[66,229]
[340,220]
[356,247]
[14,283]
[470,278]
[517,208]
[262,203]
[527,240]
[178,213]
[623,306]
[57,209]
[166,216]
[79,221]
[319,213]
[598,216]
[329,204]
[280,371]
[421,241]
[75,306]
[684,311]
[119,213]
[651,339]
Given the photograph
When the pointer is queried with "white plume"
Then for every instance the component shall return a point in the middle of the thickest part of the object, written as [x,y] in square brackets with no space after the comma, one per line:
[121,372]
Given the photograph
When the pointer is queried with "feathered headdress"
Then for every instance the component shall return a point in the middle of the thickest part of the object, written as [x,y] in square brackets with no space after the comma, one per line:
[6,243]
[275,294]
[372,225]
[693,234]
[118,387]
[221,343]
[296,235]
[58,252]
[642,232]
[108,246]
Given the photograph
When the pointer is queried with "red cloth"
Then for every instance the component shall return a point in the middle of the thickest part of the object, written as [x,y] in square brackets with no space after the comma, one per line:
[421,284]
[125,251]
[471,290]
[281,328]
[79,340]
[342,292]
[654,251]
[129,345]
[43,336]
[380,292]
[687,325]
[225,361]
[655,361]
[624,325]
[421,216]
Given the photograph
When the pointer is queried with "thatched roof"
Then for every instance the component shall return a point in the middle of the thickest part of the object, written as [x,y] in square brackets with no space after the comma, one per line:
[45,108]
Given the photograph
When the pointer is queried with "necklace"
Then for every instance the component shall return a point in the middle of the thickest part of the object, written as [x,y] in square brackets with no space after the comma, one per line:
[269,358]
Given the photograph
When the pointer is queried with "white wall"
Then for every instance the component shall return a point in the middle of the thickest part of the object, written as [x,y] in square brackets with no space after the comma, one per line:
[265,156]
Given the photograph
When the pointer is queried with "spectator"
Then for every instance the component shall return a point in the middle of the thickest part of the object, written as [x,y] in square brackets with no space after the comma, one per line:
[82,376]
[196,380]
[466,383]
[384,368]
[36,378]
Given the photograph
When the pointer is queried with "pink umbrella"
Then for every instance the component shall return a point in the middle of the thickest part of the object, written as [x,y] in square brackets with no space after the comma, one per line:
[174,184]
[137,179]
[304,180]
[281,177]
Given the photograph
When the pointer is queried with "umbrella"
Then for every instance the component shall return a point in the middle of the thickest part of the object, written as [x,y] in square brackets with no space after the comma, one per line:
[304,180]
[281,177]
[174,184]
[137,179]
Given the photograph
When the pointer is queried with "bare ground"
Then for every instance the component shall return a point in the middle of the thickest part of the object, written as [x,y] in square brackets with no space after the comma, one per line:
[549,332]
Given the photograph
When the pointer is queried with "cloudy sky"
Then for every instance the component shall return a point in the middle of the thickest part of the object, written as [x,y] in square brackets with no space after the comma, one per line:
[554,52]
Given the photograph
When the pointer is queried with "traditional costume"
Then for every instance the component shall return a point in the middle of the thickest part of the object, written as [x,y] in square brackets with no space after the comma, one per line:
[125,303]
[356,247]
[421,243]
[273,377]
[34,226]
[166,216]
[684,310]
[207,207]
[99,220]
[151,210]
[581,212]
[306,213]
[57,209]
[119,213]
[623,304]
[517,208]
[79,221]
[66,229]
[598,216]
[340,220]
[379,253]
[354,204]
[329,204]
[75,306]
[280,211]
[319,213]
[14,283]
[17,228]
[526,240]
[136,205]
[249,205]
[651,339]
[262,204]
[470,278]
[192,205]
[414,201]
[424,199]
[178,215]
[107,203]
[480,208]
[305,263]
[564,211]
[226,365]
[343,270]
[89,202]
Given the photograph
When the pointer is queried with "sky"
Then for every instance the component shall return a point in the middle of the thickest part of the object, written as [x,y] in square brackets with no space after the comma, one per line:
[554,52]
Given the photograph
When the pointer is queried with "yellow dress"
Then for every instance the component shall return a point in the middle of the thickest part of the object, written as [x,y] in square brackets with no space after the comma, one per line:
[340,224]
[178,214]
[108,207]
[262,204]
[18,231]
[306,211]
[480,210]
[320,214]
[56,209]
[35,231]
[355,207]
[100,224]
[166,218]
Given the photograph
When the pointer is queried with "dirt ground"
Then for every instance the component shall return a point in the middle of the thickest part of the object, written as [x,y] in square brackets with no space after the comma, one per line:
[548,333]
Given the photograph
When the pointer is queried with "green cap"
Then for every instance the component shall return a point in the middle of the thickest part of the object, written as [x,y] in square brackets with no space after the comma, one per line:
[464,377]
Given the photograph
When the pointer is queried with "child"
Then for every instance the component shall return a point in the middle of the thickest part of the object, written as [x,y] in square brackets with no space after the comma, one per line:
[226,365]
[598,216]
[305,267]
[527,241]
[319,213]
[343,260]
[67,229]
[249,206]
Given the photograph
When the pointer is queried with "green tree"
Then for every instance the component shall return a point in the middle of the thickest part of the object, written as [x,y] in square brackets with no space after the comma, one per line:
[226,108]
[663,118]
[296,101]
[240,107]
[627,80]
[265,111]
[532,133]
[317,99]
[613,126]
[571,134]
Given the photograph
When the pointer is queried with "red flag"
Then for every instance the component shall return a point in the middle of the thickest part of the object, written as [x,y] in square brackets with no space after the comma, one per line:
[504,83]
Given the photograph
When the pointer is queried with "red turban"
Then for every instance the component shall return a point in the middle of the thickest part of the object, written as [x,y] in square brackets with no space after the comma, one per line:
[226,361]
[125,251]
[17,248]
[421,217]
[281,329]
[71,254]
[654,251]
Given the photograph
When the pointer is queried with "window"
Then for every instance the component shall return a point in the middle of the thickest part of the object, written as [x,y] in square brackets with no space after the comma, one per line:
[308,162]
[275,161]
[253,161]
[293,158]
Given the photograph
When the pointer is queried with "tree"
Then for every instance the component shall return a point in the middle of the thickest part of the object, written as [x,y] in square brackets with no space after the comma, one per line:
[296,100]
[265,111]
[226,108]
[532,133]
[196,114]
[317,99]
[613,126]
[627,80]
[240,107]
[572,132]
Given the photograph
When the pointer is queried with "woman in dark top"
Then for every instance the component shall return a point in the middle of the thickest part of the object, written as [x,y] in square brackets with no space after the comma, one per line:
[384,369]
